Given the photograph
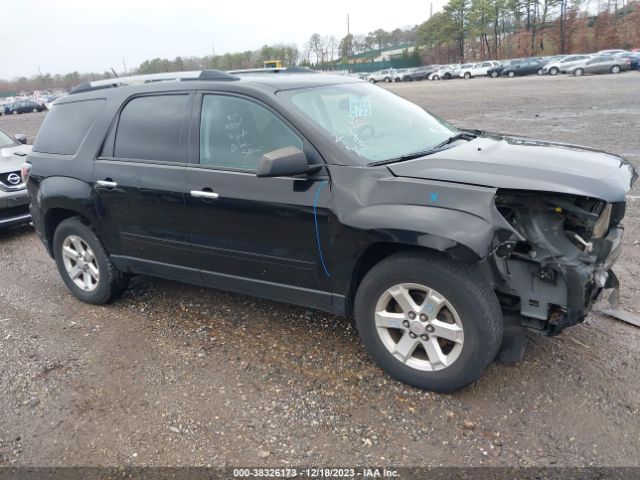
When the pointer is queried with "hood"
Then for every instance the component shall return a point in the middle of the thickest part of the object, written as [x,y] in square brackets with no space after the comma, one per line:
[521,164]
[12,157]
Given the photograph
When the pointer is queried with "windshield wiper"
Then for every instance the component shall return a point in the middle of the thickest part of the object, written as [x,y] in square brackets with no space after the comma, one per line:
[408,156]
[424,153]
[455,138]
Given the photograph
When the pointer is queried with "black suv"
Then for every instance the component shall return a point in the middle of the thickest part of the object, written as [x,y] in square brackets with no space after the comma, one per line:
[335,194]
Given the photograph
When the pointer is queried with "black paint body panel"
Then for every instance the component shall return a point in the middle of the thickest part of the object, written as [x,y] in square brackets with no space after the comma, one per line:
[296,239]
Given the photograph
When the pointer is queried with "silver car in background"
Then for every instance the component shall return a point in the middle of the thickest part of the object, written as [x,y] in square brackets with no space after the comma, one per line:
[599,64]
[564,64]
[14,199]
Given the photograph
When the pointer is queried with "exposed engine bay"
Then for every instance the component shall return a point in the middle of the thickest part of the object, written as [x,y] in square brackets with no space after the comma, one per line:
[562,266]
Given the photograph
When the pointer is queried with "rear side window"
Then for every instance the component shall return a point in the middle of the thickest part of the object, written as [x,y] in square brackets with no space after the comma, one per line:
[66,125]
[150,128]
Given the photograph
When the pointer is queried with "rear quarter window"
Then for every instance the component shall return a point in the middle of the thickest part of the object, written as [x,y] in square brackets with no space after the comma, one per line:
[66,125]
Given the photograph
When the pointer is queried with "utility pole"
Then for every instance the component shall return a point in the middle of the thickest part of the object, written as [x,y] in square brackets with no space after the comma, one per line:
[124,65]
[431,10]
[348,26]
[562,20]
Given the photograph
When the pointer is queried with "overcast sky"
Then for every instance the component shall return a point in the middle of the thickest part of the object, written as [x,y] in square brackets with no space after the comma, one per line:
[60,36]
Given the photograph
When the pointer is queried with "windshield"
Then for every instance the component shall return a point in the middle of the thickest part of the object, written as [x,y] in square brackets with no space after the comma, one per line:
[5,140]
[370,123]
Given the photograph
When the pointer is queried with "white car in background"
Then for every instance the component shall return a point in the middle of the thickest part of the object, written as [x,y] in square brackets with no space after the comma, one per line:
[382,76]
[564,64]
[612,52]
[477,69]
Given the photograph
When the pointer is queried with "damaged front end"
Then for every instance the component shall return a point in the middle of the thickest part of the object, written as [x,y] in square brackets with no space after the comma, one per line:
[563,265]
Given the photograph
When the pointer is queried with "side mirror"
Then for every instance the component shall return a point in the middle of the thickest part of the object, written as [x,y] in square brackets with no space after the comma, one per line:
[285,162]
[21,138]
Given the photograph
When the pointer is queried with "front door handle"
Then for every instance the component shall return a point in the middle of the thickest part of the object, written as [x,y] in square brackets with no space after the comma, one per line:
[107,183]
[203,194]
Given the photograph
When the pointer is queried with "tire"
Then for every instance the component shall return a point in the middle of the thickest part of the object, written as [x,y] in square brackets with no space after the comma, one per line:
[467,76]
[110,283]
[615,69]
[511,74]
[387,79]
[578,72]
[494,74]
[447,76]
[15,112]
[540,71]
[35,110]
[475,309]
[372,80]
[554,71]
[435,77]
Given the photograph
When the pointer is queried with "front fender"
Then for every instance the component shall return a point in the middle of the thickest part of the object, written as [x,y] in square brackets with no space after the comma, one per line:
[461,235]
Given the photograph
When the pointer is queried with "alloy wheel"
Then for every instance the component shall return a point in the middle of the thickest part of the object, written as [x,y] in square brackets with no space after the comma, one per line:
[419,326]
[80,263]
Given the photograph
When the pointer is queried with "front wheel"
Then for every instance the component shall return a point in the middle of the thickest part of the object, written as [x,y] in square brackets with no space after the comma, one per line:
[428,321]
[554,71]
[84,265]
[540,71]
[615,69]
[494,74]
[511,74]
[435,77]
[467,76]
[578,72]
[372,80]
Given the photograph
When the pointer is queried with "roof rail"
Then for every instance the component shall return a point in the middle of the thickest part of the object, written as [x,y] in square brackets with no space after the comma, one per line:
[273,70]
[154,77]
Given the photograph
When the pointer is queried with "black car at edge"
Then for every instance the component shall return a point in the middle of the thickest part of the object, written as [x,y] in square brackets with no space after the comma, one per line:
[335,194]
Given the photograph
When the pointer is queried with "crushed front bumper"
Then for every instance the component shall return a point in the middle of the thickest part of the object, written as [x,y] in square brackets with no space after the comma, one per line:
[561,291]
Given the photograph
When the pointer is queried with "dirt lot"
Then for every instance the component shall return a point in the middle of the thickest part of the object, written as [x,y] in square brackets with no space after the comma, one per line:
[173,374]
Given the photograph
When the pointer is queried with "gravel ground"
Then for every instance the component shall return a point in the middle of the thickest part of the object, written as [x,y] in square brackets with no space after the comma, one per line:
[174,374]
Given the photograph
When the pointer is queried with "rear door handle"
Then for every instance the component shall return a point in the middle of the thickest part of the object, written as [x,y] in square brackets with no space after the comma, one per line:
[107,183]
[203,194]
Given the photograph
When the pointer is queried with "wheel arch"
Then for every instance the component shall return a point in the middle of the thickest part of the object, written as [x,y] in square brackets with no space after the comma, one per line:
[378,251]
[59,198]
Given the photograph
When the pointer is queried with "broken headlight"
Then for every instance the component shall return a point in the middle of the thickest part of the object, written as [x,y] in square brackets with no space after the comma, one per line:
[541,216]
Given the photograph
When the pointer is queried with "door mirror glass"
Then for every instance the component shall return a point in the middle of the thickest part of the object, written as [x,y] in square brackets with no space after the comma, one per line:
[283,162]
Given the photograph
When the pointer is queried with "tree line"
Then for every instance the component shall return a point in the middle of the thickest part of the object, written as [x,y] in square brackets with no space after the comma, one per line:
[468,30]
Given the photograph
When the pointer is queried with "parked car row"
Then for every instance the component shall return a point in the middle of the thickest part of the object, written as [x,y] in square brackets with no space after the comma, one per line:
[606,61]
[21,106]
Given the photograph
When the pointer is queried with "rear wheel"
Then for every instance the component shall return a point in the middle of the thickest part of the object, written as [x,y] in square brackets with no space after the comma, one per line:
[467,75]
[428,321]
[435,77]
[494,74]
[511,74]
[387,79]
[615,69]
[372,80]
[554,71]
[84,265]
[578,72]
[540,71]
